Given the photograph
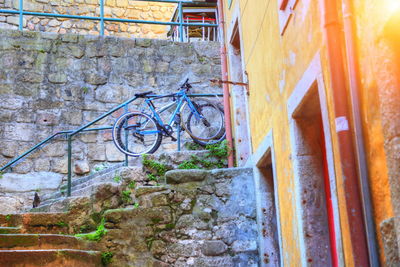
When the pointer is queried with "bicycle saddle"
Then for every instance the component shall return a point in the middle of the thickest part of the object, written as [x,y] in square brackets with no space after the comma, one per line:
[143,94]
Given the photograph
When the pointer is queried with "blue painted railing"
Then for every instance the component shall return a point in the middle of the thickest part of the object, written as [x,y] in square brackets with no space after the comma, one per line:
[85,128]
[102,19]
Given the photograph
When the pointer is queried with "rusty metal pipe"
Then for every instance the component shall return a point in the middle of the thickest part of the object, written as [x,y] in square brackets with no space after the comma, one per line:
[224,68]
[334,39]
[353,70]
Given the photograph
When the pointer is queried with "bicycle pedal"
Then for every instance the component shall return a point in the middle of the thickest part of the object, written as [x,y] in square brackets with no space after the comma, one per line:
[174,139]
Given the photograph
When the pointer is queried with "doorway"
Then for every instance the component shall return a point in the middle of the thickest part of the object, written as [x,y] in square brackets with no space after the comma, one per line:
[239,98]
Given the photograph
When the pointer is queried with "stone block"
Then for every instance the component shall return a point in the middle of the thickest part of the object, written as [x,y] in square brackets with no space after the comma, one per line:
[81,167]
[244,246]
[95,78]
[225,261]
[20,132]
[8,149]
[97,152]
[109,94]
[57,78]
[59,165]
[72,117]
[11,204]
[12,182]
[15,21]
[41,165]
[46,118]
[57,149]
[213,248]
[185,176]
[113,154]
[23,167]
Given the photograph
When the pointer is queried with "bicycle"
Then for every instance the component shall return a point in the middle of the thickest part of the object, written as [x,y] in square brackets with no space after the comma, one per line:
[137,133]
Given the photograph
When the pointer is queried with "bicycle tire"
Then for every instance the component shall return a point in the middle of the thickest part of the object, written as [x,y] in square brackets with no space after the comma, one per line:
[198,129]
[136,137]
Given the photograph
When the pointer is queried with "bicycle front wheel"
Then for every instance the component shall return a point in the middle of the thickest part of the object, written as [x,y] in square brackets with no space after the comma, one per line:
[207,125]
[136,134]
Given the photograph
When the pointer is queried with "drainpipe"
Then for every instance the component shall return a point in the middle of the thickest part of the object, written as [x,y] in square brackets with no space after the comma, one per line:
[334,38]
[225,86]
[355,87]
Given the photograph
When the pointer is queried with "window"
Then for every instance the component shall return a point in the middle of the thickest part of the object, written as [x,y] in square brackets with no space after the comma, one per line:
[286,8]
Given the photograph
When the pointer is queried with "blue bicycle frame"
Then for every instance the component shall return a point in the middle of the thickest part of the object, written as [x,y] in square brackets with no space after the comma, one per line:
[183,98]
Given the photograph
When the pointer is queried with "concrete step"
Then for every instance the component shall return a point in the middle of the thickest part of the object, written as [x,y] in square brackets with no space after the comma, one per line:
[39,241]
[50,258]
[10,230]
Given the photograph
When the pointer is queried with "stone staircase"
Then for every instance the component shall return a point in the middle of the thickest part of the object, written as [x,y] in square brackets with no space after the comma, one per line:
[25,241]
[197,217]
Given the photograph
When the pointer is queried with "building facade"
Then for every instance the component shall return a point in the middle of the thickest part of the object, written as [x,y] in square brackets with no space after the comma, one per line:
[319,123]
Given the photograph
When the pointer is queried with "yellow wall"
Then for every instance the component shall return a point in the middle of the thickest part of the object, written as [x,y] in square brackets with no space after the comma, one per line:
[275,64]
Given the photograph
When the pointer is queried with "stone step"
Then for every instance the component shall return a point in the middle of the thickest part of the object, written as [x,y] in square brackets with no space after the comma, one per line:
[56,205]
[39,241]
[50,258]
[10,230]
[61,204]
[49,222]
[106,174]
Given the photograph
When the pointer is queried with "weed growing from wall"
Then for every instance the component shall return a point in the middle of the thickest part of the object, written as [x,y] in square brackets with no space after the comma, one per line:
[97,235]
[106,258]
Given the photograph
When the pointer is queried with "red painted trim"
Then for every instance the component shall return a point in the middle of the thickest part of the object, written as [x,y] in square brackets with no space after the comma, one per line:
[335,45]
[329,203]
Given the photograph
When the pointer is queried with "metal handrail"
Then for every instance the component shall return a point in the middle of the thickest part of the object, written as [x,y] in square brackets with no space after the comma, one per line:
[102,19]
[84,128]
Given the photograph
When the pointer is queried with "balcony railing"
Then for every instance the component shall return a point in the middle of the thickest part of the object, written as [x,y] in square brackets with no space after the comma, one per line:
[180,23]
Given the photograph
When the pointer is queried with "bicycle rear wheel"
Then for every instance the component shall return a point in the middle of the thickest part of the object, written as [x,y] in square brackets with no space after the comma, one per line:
[207,127]
[135,134]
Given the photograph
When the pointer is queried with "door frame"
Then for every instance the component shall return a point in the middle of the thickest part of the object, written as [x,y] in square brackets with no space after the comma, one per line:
[314,75]
[266,146]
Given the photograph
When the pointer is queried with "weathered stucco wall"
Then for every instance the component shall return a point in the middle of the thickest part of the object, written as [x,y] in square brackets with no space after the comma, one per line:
[274,67]
[124,9]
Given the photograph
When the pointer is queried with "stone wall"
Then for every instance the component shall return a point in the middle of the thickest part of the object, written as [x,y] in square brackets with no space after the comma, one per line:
[124,9]
[51,82]
[202,218]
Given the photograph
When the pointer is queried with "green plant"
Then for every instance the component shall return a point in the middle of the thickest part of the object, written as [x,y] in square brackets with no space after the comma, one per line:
[97,235]
[126,196]
[152,177]
[100,167]
[157,168]
[85,90]
[1,175]
[106,257]
[85,228]
[62,224]
[8,217]
[117,178]
[189,164]
[193,146]
[219,150]
[132,185]
[136,205]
